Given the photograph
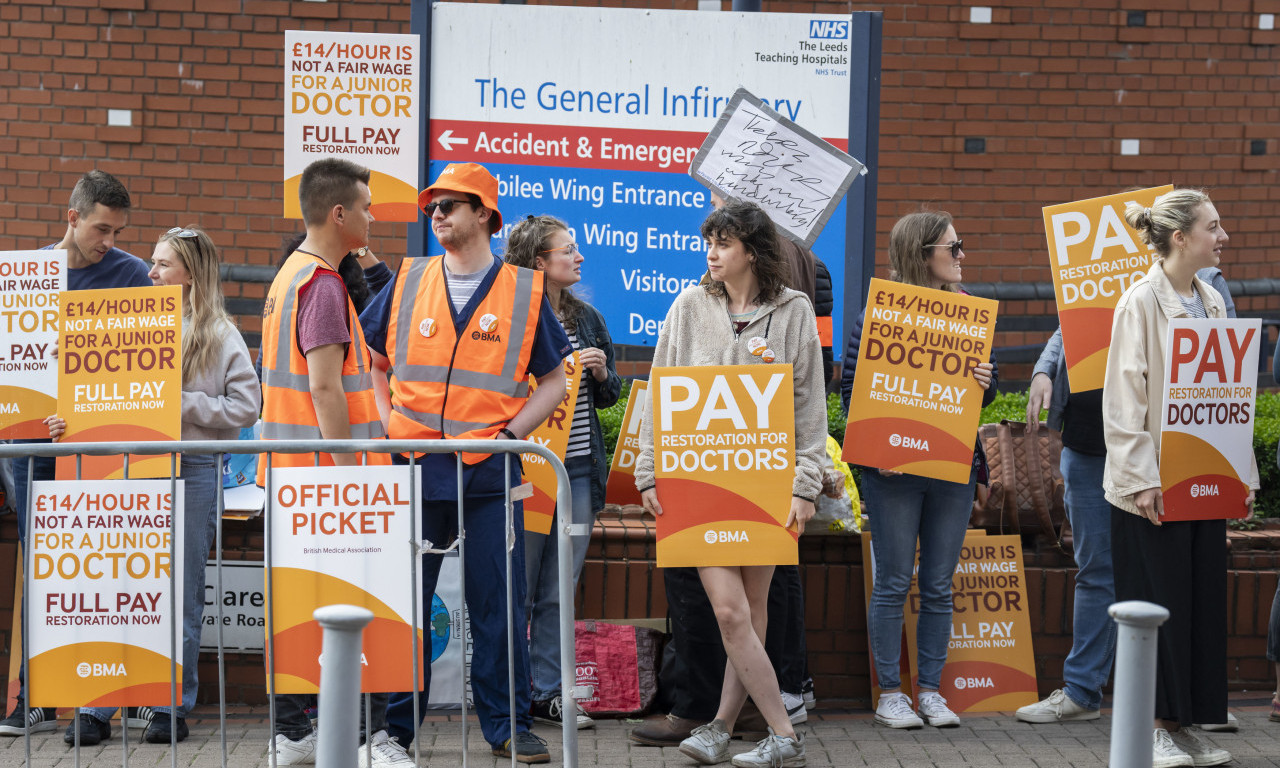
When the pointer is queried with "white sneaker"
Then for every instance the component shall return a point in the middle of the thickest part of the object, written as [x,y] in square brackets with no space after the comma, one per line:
[1057,708]
[796,710]
[894,710]
[1201,752]
[934,710]
[386,751]
[806,690]
[1231,725]
[774,752]
[1165,754]
[708,744]
[290,752]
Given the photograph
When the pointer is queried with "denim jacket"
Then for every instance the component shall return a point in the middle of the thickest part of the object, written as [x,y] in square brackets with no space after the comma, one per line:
[592,332]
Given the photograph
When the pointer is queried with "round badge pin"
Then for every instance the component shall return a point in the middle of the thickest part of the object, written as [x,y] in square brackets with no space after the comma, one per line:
[427,327]
[756,345]
[767,356]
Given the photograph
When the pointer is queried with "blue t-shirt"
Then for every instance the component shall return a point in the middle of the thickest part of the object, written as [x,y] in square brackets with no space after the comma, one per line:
[550,347]
[117,269]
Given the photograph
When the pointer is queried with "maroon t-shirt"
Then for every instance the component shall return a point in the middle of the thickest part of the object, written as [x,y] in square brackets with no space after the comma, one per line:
[322,312]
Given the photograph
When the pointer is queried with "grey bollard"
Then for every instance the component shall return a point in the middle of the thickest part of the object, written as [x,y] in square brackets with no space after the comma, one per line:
[339,727]
[1134,703]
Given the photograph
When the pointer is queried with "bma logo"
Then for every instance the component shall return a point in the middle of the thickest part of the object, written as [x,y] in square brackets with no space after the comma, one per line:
[829,29]
[973,682]
[85,669]
[1200,489]
[725,537]
[488,324]
[907,441]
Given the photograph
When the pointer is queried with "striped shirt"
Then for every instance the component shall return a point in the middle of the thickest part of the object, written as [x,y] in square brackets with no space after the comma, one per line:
[580,431]
[1193,305]
[463,287]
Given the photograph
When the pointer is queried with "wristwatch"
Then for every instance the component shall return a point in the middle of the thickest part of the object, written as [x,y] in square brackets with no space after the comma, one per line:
[362,252]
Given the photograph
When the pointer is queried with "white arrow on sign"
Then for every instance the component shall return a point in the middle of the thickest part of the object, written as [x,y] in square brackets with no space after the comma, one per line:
[447,140]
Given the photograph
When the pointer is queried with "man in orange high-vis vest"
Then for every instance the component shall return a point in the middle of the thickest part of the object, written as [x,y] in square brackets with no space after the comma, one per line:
[461,334]
[317,383]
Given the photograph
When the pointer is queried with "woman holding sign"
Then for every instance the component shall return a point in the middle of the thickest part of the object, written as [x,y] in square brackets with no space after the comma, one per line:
[1181,565]
[742,314]
[907,510]
[543,243]
[220,395]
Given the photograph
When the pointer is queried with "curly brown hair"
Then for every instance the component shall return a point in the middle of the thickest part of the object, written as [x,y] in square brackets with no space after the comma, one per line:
[750,224]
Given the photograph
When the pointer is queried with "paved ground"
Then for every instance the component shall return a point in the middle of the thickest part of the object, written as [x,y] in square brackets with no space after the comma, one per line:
[835,738]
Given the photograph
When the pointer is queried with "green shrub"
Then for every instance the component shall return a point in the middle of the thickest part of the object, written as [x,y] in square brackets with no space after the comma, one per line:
[611,420]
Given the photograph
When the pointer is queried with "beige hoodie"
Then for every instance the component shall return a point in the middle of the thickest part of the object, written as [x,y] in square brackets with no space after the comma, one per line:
[698,331]
[1133,395]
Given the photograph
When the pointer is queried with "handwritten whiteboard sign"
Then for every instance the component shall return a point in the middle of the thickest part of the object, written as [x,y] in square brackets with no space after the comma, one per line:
[757,155]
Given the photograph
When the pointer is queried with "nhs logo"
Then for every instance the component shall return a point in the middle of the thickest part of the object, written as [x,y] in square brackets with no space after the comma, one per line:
[829,29]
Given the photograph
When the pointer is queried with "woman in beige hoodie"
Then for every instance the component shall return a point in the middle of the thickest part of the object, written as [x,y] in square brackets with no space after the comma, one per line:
[1181,565]
[740,306]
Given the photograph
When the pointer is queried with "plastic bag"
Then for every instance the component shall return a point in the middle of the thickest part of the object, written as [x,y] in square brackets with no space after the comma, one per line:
[844,513]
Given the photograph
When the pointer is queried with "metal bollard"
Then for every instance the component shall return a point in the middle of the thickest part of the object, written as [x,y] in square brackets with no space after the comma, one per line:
[1134,703]
[339,726]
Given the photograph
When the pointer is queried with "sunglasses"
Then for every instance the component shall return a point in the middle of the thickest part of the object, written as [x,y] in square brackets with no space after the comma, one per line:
[955,247]
[445,206]
[180,232]
[569,249]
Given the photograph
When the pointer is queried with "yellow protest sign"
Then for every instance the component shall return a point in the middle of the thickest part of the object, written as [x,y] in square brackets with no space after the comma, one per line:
[120,375]
[1094,255]
[30,282]
[621,486]
[724,463]
[915,404]
[554,434]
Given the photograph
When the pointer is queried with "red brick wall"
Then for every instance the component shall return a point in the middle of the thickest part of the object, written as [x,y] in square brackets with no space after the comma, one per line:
[1052,90]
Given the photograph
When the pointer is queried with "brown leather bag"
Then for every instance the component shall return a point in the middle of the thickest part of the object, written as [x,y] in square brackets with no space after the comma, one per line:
[1025,485]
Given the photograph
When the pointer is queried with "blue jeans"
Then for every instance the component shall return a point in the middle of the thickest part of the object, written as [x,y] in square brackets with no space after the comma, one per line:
[485,580]
[201,478]
[1093,642]
[541,566]
[904,509]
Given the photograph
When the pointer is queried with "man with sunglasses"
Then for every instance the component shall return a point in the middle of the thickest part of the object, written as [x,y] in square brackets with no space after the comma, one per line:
[461,333]
[98,212]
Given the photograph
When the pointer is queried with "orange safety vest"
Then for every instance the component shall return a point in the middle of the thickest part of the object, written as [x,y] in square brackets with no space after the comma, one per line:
[463,383]
[287,409]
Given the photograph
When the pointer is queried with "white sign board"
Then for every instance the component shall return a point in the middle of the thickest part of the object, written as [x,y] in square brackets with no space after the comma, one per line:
[757,155]
[243,601]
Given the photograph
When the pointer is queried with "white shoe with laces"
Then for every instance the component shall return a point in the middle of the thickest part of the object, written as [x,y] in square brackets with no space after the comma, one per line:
[796,711]
[290,752]
[934,710]
[1231,725]
[386,752]
[894,710]
[774,752]
[1165,754]
[1057,707]
[708,744]
[1202,753]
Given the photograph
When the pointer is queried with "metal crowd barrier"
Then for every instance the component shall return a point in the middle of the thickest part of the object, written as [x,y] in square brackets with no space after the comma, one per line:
[219,448]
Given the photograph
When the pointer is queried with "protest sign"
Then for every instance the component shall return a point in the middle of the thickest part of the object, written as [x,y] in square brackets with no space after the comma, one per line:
[120,376]
[100,610]
[915,403]
[342,535]
[354,96]
[990,660]
[724,461]
[757,155]
[30,282]
[1094,256]
[1206,433]
[554,434]
[621,486]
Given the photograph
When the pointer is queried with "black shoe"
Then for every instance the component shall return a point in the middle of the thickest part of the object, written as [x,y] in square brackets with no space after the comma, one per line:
[92,731]
[162,727]
[136,717]
[39,720]
[529,749]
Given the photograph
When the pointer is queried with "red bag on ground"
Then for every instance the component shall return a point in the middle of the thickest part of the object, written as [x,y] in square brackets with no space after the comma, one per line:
[619,664]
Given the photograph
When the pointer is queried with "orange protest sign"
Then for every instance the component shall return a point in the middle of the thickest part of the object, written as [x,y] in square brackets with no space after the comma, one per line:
[1094,255]
[554,434]
[1206,434]
[342,535]
[120,375]
[30,282]
[915,403]
[991,664]
[100,613]
[724,463]
[621,487]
